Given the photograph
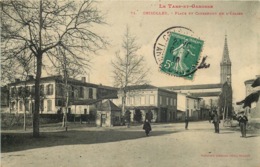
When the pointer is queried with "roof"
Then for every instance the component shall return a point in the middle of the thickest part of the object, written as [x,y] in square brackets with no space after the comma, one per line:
[225,56]
[250,81]
[141,107]
[112,95]
[187,87]
[86,102]
[145,86]
[59,78]
[193,97]
[108,105]
[206,94]
[148,87]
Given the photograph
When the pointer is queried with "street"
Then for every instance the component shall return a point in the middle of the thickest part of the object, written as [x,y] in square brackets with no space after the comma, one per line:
[168,145]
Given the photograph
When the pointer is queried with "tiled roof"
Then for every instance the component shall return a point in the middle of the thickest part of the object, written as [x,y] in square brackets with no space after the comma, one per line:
[206,94]
[108,106]
[86,102]
[188,87]
[141,107]
[59,78]
[145,86]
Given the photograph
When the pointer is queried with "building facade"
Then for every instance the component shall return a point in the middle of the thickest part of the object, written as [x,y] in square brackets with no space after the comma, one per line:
[145,98]
[53,97]
[188,106]
[255,108]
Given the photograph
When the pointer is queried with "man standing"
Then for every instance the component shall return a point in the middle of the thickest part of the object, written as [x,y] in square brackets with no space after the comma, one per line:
[149,116]
[242,119]
[186,122]
[216,121]
[127,118]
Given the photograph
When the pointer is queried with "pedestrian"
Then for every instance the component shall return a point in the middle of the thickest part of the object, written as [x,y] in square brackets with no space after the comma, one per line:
[127,118]
[186,122]
[149,116]
[147,127]
[216,121]
[242,119]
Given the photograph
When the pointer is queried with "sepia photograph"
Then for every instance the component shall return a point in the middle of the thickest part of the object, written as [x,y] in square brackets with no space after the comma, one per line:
[128,83]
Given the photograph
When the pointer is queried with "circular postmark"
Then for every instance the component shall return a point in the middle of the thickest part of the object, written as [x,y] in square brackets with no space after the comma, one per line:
[177,52]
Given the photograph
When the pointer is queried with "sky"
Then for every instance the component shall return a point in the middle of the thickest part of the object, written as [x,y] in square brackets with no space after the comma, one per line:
[238,20]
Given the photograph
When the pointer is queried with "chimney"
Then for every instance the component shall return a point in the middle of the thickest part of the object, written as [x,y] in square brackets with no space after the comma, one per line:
[83,79]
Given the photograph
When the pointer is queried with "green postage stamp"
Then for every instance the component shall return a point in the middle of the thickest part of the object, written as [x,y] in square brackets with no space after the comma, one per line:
[181,55]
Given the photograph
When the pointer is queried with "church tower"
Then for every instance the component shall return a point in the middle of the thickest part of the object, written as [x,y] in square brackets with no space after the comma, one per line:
[225,65]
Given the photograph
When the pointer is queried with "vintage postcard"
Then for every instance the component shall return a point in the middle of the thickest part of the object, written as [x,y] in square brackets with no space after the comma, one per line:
[130,83]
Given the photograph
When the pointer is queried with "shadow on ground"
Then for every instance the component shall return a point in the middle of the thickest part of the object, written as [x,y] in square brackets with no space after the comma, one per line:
[23,141]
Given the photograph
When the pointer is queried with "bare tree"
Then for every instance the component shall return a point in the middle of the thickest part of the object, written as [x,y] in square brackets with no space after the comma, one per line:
[40,27]
[129,68]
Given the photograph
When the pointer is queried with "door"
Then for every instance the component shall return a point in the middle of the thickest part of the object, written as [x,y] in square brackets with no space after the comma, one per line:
[163,114]
[103,119]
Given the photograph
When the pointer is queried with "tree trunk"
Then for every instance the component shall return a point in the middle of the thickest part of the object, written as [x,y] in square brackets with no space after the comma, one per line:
[36,128]
[123,102]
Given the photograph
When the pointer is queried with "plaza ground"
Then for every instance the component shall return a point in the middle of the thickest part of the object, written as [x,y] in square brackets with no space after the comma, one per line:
[168,145]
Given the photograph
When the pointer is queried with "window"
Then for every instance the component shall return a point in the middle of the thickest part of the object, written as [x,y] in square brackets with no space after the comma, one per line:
[131,100]
[90,93]
[21,105]
[19,91]
[33,90]
[174,103]
[13,91]
[195,104]
[72,91]
[137,100]
[26,91]
[142,100]
[59,89]
[167,101]
[151,99]
[81,92]
[187,103]
[160,100]
[42,105]
[49,89]
[171,102]
[49,105]
[128,100]
[41,90]
[27,106]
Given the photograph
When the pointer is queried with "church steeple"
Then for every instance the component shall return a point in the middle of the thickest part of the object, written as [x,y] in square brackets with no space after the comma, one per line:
[225,65]
[225,56]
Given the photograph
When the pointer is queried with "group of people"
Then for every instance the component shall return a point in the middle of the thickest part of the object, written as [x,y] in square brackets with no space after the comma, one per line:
[242,119]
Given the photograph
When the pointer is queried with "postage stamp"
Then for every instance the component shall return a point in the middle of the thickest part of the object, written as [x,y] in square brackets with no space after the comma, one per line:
[181,56]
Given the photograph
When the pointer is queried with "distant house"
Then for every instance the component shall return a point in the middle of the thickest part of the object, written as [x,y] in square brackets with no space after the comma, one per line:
[188,105]
[144,98]
[108,114]
[209,92]
[83,96]
[255,108]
